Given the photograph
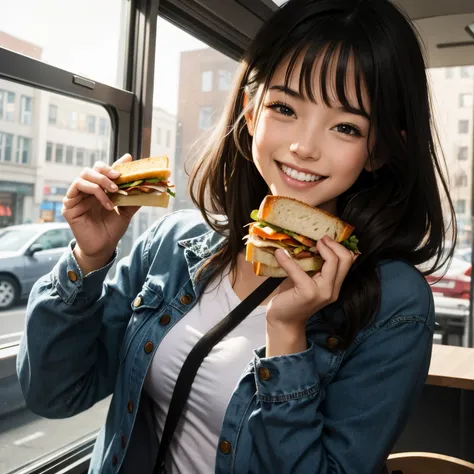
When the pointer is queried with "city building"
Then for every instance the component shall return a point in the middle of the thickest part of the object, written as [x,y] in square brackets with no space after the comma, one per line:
[206,77]
[452,90]
[46,140]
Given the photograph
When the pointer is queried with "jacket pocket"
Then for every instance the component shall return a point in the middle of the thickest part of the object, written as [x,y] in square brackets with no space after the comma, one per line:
[144,305]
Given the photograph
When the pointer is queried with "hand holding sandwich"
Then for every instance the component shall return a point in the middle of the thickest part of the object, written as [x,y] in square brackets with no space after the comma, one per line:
[288,312]
[89,212]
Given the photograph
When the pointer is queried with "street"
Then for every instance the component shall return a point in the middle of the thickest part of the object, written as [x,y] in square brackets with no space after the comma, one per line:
[25,437]
[12,323]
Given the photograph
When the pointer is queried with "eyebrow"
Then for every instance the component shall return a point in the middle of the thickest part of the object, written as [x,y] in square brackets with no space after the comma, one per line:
[298,95]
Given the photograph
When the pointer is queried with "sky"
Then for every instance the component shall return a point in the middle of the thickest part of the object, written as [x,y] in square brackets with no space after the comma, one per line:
[84,37]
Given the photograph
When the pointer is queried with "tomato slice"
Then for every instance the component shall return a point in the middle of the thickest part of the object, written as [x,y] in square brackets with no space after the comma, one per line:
[284,238]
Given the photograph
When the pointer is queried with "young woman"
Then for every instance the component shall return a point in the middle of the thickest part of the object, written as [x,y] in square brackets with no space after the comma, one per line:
[321,377]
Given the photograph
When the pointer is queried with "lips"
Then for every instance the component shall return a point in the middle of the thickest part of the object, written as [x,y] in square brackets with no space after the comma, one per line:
[300,174]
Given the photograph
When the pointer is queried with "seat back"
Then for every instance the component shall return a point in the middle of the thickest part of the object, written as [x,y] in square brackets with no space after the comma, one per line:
[427,463]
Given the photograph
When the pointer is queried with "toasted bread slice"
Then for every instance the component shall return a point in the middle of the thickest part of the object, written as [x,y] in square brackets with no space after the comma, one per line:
[153,200]
[265,262]
[156,167]
[296,216]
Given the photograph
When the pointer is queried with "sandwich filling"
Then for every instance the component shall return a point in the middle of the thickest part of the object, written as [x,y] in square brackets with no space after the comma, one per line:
[270,237]
[147,186]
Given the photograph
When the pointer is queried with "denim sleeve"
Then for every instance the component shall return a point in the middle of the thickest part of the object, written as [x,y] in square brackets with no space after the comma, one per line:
[69,351]
[351,425]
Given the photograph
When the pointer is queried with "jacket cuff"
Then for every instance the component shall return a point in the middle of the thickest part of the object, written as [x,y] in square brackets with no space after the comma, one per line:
[71,284]
[286,377]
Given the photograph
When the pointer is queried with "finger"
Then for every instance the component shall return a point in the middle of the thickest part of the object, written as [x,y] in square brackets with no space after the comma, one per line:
[297,275]
[106,170]
[83,207]
[125,159]
[330,265]
[96,177]
[346,259]
[88,187]
[69,203]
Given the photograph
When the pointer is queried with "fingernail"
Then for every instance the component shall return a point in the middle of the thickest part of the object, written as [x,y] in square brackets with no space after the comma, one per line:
[114,172]
[286,253]
[113,187]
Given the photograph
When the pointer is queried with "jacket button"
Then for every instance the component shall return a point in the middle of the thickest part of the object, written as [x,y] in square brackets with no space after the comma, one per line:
[137,302]
[114,460]
[225,447]
[72,276]
[149,347]
[186,299]
[130,406]
[165,319]
[264,373]
[124,442]
[332,342]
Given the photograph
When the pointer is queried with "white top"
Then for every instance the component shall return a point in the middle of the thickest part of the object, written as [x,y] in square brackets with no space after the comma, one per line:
[194,445]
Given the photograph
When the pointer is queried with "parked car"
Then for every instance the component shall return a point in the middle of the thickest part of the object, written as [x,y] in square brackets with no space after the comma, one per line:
[456,283]
[28,252]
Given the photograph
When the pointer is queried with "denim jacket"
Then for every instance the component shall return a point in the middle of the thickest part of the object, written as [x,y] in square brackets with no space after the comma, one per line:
[324,410]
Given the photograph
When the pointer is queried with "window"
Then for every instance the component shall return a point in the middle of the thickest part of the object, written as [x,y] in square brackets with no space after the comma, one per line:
[461,181]
[80,157]
[23,150]
[59,153]
[7,105]
[73,118]
[92,158]
[466,71]
[225,80]
[26,110]
[6,144]
[91,124]
[190,105]
[32,186]
[465,100]
[69,155]
[82,122]
[53,114]
[206,81]
[462,153]
[54,239]
[103,127]
[449,72]
[205,117]
[49,152]
[463,126]
[460,206]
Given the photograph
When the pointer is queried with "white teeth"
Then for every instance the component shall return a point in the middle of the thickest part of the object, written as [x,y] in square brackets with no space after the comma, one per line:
[300,176]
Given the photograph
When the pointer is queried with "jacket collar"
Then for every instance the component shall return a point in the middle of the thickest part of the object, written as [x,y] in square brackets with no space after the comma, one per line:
[196,251]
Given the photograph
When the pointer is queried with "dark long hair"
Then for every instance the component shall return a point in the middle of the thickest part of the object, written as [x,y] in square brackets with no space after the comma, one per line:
[397,210]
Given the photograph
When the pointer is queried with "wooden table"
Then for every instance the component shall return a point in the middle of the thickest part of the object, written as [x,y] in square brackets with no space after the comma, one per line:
[452,366]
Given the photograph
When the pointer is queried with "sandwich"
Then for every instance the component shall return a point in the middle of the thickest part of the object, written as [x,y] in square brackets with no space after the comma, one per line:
[292,225]
[143,183]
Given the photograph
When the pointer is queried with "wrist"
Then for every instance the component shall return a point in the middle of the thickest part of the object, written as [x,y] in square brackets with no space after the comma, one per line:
[284,338]
[89,264]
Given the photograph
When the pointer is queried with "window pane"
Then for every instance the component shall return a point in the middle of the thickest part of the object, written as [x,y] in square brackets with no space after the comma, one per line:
[453,110]
[37,165]
[188,100]
[80,157]
[91,124]
[26,27]
[206,84]
[69,155]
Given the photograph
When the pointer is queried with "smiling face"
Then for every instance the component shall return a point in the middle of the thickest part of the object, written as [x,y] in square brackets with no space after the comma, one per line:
[308,150]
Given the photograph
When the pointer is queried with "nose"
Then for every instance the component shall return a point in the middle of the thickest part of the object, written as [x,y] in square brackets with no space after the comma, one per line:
[306,146]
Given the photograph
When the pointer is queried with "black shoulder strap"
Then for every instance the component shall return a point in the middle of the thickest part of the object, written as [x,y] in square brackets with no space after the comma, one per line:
[198,353]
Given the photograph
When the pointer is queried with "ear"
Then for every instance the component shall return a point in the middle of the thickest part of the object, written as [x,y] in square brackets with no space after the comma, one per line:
[248,115]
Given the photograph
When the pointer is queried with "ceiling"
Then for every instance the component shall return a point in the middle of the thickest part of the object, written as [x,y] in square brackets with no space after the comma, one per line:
[441,22]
